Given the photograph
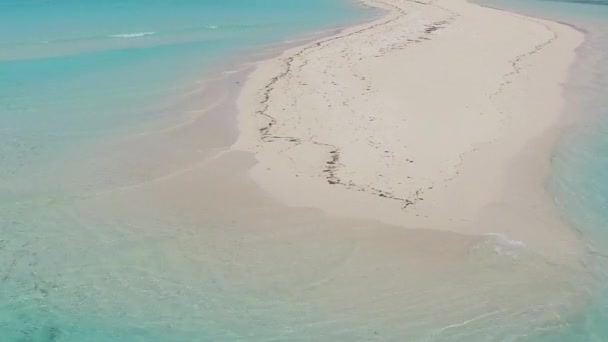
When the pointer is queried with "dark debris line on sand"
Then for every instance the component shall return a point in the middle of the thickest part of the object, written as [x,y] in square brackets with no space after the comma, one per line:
[331,170]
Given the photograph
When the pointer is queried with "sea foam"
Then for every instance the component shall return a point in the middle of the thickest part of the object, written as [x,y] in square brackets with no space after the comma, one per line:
[506,246]
[132,35]
[500,245]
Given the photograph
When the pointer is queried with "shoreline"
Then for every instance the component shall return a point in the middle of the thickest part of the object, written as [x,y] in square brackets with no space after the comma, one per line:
[209,233]
[320,179]
[208,125]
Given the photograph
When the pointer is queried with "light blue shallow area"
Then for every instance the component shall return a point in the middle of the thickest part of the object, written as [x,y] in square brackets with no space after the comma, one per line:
[75,70]
[72,73]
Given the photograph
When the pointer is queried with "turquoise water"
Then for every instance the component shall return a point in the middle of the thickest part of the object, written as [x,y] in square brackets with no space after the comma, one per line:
[71,71]
[74,74]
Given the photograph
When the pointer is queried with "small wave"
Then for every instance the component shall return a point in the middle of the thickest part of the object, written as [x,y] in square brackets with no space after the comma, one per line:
[132,35]
[213,27]
[242,68]
[501,245]
[506,241]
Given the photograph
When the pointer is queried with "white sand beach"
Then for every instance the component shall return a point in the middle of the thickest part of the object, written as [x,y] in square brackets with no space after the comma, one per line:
[439,115]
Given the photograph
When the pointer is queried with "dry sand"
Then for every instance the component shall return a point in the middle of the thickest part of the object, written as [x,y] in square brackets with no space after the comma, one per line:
[439,115]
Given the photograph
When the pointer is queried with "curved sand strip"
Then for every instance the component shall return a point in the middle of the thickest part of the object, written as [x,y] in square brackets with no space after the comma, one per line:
[439,115]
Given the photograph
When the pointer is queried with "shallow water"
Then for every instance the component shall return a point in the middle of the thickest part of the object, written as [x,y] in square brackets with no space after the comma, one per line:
[205,256]
[80,81]
[73,72]
[122,220]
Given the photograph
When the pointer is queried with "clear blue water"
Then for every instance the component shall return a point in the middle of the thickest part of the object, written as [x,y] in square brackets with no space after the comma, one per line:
[72,74]
[71,71]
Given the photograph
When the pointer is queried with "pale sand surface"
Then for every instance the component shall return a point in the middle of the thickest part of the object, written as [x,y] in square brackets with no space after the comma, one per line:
[439,115]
